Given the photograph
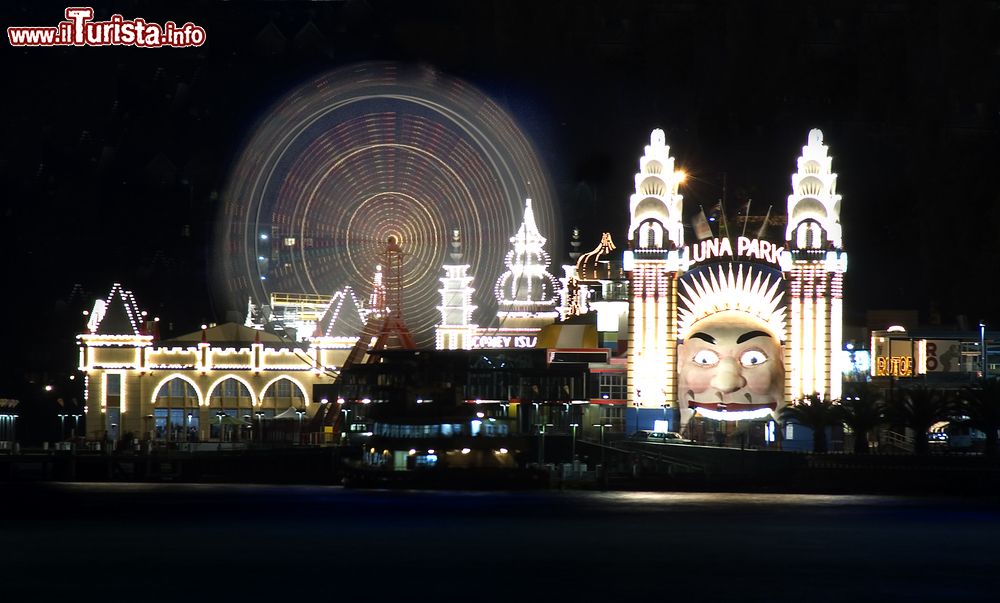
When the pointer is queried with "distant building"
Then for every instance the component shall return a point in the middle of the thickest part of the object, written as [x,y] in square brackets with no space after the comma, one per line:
[932,357]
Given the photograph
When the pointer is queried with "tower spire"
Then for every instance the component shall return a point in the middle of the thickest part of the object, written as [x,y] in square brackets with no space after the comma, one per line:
[456,329]
[814,205]
[526,289]
[656,205]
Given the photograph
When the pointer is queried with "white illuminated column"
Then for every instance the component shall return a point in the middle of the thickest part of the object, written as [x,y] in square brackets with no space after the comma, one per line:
[456,329]
[814,264]
[656,232]
[377,299]
[526,292]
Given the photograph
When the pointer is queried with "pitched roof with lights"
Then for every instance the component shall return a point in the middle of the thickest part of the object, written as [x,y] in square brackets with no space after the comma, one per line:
[343,317]
[117,314]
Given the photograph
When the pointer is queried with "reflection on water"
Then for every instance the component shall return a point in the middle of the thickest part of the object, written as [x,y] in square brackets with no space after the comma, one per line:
[744,499]
[588,545]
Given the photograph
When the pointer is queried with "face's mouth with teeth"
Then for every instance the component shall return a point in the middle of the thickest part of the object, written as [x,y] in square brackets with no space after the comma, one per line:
[731,362]
[722,402]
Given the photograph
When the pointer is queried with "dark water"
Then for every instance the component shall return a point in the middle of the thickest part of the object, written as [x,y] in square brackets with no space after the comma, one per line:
[113,542]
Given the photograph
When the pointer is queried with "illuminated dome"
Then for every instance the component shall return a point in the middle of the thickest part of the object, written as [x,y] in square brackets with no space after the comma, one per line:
[814,205]
[656,204]
[365,153]
[526,287]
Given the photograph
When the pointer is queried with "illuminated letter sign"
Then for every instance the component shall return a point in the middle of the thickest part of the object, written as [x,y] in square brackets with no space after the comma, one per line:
[504,341]
[745,248]
[894,366]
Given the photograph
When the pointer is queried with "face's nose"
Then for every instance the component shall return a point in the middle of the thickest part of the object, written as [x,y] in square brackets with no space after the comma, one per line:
[728,377]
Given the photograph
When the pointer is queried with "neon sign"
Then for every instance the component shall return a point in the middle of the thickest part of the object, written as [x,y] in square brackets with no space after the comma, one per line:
[894,366]
[504,341]
[745,248]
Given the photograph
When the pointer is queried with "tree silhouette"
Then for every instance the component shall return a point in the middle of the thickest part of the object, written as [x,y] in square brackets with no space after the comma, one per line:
[817,414]
[981,404]
[919,408]
[862,411]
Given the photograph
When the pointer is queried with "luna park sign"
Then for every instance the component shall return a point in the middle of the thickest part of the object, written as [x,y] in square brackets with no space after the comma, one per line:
[745,248]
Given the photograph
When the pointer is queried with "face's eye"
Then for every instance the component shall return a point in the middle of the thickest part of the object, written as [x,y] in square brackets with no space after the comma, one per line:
[706,358]
[752,358]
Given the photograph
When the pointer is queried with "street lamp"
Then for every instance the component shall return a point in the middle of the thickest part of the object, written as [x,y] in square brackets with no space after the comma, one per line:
[343,425]
[76,423]
[347,425]
[602,426]
[62,426]
[604,467]
[573,426]
[260,425]
[300,413]
[220,414]
[541,445]
[982,347]
[8,423]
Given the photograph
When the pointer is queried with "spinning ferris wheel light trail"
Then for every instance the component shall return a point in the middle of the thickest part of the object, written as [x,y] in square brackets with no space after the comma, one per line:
[364,153]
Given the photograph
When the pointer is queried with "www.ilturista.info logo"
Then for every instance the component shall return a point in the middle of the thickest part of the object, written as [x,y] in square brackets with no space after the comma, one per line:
[80,29]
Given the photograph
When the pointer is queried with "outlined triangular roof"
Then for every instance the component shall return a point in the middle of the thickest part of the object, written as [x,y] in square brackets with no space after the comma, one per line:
[117,314]
[344,317]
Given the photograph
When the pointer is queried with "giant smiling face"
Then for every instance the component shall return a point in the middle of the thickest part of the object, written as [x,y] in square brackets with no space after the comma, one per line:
[731,358]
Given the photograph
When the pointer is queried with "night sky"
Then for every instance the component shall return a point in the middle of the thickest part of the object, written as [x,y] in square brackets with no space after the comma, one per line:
[112,160]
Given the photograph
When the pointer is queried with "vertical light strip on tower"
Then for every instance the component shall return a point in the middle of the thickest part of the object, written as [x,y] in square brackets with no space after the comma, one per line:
[822,335]
[794,348]
[656,231]
[814,267]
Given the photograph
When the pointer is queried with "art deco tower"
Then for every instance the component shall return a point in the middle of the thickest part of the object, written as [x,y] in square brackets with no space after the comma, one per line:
[656,233]
[814,264]
[456,329]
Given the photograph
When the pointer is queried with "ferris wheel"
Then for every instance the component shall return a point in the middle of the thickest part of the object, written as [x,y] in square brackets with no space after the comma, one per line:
[364,153]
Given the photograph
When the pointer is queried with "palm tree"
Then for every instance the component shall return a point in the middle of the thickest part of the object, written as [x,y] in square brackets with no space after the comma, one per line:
[862,412]
[919,408]
[817,414]
[981,404]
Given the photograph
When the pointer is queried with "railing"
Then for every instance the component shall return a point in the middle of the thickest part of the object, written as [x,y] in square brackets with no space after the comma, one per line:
[898,440]
[300,298]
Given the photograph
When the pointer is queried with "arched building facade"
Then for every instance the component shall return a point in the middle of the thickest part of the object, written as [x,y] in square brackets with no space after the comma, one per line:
[208,385]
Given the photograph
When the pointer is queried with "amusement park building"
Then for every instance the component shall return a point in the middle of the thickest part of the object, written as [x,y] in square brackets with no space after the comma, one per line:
[718,329]
[203,386]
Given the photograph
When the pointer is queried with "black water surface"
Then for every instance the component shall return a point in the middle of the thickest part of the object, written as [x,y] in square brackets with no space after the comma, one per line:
[140,542]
